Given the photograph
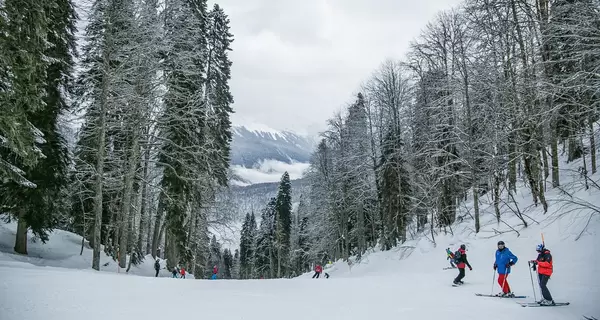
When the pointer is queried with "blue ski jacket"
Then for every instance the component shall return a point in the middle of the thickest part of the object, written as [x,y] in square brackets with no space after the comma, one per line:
[503,258]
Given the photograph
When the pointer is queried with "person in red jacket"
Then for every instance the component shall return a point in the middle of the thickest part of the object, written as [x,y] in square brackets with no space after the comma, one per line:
[318,270]
[215,271]
[544,270]
[182,272]
[461,262]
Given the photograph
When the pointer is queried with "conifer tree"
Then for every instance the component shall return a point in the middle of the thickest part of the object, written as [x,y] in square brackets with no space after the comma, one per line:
[283,221]
[39,208]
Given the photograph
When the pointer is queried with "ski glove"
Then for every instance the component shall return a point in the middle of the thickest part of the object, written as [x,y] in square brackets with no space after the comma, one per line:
[470,269]
[510,264]
[495,266]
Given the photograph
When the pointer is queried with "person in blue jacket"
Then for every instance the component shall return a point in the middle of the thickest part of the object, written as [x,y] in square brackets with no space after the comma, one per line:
[504,261]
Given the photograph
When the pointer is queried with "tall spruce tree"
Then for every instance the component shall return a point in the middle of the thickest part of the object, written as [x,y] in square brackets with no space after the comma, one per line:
[38,208]
[227,264]
[283,220]
[23,75]
[247,246]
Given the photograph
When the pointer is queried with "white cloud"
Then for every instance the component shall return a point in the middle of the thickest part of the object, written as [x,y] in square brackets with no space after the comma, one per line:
[270,171]
[296,62]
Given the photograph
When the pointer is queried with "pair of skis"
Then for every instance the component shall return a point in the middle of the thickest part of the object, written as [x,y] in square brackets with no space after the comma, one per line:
[524,304]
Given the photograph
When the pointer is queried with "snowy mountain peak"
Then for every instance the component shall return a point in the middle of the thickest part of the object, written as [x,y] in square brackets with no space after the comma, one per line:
[261,154]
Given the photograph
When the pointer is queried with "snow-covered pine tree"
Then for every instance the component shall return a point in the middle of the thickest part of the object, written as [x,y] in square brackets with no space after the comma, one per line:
[235,272]
[183,124]
[103,93]
[40,207]
[283,221]
[217,94]
[247,246]
[265,255]
[227,264]
[23,67]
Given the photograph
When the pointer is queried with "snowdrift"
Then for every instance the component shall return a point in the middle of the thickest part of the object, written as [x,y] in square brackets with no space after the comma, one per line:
[62,250]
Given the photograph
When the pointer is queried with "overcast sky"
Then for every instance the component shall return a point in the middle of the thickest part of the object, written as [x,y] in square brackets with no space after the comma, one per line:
[295,62]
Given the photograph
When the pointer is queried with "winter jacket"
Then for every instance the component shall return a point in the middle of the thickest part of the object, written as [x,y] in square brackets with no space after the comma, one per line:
[318,268]
[544,263]
[182,271]
[157,265]
[503,258]
[463,260]
[215,270]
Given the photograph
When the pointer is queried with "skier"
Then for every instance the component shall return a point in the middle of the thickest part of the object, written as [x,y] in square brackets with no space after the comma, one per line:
[174,272]
[504,261]
[157,266]
[450,256]
[318,270]
[182,272]
[461,262]
[215,271]
[544,270]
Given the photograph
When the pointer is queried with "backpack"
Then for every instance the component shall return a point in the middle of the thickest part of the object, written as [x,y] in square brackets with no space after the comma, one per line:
[457,257]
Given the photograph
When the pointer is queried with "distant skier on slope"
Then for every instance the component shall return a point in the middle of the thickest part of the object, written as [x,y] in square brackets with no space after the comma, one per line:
[215,271]
[318,270]
[174,272]
[450,256]
[544,270]
[182,272]
[461,261]
[157,266]
[504,261]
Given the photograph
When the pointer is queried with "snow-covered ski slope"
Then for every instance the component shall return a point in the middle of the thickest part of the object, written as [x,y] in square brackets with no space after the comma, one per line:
[405,283]
[571,230]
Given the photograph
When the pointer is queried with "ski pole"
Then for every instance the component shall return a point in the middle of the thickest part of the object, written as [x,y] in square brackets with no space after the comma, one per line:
[532,285]
[493,280]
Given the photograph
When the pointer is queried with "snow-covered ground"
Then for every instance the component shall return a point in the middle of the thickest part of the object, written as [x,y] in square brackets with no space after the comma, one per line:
[405,283]
[63,251]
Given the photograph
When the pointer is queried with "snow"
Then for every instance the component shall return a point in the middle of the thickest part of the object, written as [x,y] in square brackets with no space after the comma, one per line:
[62,251]
[407,282]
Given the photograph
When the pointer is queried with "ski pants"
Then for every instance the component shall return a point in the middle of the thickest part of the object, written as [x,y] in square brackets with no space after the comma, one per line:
[156,273]
[461,274]
[316,275]
[326,275]
[543,286]
[503,282]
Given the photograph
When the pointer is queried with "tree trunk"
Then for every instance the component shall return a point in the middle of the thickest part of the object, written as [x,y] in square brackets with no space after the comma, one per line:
[592,145]
[554,150]
[98,196]
[497,196]
[126,213]
[157,225]
[21,236]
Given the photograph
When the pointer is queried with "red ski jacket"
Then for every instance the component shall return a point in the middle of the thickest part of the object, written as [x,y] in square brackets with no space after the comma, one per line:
[544,262]
[318,268]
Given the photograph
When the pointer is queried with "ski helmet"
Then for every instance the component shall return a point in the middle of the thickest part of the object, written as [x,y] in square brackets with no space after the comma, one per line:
[539,248]
[462,246]
[500,242]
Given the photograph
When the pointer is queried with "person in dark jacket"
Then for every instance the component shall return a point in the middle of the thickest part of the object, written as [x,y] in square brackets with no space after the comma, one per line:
[504,261]
[157,266]
[462,261]
[543,264]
